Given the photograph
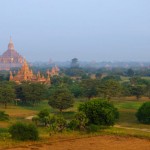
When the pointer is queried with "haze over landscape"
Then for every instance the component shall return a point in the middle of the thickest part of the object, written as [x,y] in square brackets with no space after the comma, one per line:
[74,74]
[101,30]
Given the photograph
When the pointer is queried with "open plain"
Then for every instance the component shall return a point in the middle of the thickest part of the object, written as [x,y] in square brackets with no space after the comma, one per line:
[105,142]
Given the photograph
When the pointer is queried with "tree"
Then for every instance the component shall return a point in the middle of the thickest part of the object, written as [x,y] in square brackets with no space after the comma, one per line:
[138,81]
[74,63]
[143,113]
[76,90]
[130,72]
[56,80]
[31,93]
[61,99]
[126,89]
[115,78]
[147,91]
[7,94]
[90,87]
[99,112]
[75,72]
[109,88]
[137,91]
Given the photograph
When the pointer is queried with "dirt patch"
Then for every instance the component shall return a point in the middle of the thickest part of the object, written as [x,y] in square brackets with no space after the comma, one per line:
[93,143]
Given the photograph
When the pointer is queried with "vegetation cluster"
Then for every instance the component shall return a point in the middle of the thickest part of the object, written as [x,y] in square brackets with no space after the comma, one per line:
[93,94]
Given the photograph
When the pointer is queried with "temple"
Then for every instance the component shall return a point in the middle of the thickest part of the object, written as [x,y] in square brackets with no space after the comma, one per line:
[26,74]
[10,58]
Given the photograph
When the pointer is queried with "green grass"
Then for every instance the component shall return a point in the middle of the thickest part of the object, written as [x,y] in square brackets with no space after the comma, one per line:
[127,108]
[127,132]
[127,111]
[128,104]
[146,78]
[38,107]
[124,79]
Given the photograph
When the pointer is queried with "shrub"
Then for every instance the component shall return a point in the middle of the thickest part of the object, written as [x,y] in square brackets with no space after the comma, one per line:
[44,116]
[57,123]
[81,119]
[3,116]
[35,119]
[43,113]
[79,122]
[143,113]
[52,123]
[92,128]
[21,131]
[99,112]
[4,133]
[61,124]
[73,124]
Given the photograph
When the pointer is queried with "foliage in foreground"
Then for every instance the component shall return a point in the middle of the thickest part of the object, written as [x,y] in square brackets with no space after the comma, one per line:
[22,132]
[3,116]
[143,113]
[100,112]
[79,122]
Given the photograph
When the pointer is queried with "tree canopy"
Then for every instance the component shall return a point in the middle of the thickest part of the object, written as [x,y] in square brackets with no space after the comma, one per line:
[7,94]
[61,98]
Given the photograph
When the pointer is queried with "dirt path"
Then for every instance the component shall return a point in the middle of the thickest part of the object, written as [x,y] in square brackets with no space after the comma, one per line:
[94,143]
[137,129]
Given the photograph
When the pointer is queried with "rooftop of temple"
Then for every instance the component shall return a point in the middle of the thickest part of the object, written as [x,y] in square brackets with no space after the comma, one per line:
[10,58]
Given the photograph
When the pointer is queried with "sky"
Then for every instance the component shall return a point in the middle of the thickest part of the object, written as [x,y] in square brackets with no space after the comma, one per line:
[100,30]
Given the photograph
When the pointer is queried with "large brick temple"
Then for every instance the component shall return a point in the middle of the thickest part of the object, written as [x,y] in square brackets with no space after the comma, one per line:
[10,58]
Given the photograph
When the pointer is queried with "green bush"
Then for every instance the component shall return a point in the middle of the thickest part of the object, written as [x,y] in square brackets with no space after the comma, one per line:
[35,119]
[21,131]
[81,119]
[79,122]
[61,124]
[143,113]
[73,124]
[43,116]
[92,128]
[3,116]
[4,133]
[100,112]
[43,113]
[57,123]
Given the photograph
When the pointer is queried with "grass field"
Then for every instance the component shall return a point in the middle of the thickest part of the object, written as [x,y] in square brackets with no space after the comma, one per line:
[126,125]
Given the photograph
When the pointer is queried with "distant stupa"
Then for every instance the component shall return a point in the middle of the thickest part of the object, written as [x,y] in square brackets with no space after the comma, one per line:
[10,58]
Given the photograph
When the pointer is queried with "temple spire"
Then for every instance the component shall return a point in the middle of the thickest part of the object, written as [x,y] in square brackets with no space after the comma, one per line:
[11,45]
[10,40]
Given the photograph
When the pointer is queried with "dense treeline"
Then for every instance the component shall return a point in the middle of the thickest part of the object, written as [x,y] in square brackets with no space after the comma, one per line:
[80,83]
[107,87]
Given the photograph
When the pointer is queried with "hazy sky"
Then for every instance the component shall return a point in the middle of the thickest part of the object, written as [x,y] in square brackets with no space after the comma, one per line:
[101,30]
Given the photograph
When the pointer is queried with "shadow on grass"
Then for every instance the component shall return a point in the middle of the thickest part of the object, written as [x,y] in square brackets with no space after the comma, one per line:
[66,114]
[69,115]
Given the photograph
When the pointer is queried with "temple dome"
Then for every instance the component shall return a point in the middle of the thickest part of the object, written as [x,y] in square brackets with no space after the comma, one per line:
[11,53]
[10,58]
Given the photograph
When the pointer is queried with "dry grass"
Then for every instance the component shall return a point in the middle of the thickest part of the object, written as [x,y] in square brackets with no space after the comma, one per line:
[16,111]
[127,107]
